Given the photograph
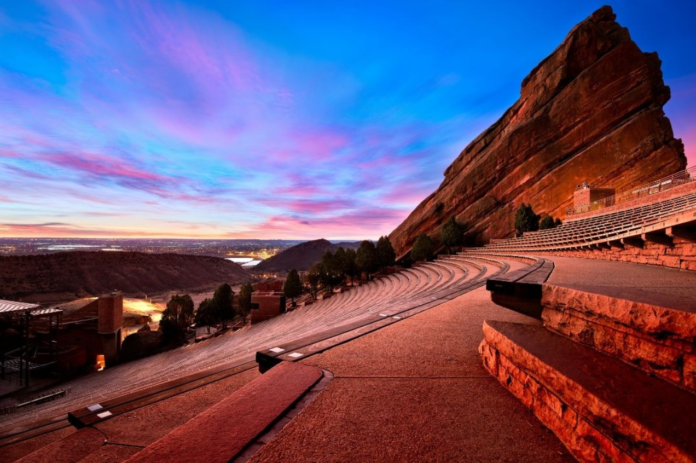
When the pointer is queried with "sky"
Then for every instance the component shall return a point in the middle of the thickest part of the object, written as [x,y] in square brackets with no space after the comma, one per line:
[271,119]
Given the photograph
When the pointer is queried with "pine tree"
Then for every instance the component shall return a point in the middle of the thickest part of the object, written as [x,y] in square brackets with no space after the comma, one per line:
[366,257]
[223,302]
[422,249]
[452,234]
[293,286]
[244,300]
[313,278]
[525,219]
[546,223]
[385,252]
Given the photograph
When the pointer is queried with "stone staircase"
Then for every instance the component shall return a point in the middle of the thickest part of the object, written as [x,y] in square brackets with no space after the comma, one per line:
[613,377]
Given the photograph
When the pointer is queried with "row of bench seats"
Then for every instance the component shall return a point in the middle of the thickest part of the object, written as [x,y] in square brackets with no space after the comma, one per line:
[385,296]
[603,228]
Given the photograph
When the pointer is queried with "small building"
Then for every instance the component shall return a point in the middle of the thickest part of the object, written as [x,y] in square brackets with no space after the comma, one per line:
[90,327]
[266,305]
[585,195]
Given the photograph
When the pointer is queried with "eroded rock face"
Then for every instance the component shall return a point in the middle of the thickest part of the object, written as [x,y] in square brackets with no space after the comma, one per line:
[591,111]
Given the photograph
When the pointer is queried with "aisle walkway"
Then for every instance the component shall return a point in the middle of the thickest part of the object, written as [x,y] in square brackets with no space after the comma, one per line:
[416,391]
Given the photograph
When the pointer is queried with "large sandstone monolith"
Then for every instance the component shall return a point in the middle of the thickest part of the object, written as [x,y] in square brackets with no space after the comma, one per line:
[591,111]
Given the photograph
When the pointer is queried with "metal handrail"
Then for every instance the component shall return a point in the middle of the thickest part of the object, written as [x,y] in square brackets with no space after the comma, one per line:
[665,183]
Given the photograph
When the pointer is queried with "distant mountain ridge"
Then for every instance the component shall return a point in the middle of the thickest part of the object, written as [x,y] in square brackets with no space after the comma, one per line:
[302,256]
[70,275]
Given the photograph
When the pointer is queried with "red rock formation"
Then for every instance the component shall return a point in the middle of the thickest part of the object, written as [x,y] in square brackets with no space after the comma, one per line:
[590,111]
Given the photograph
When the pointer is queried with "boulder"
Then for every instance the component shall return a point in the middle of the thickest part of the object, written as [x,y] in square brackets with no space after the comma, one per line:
[591,111]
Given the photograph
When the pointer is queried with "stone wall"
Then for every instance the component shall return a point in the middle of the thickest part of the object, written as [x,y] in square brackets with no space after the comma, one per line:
[681,255]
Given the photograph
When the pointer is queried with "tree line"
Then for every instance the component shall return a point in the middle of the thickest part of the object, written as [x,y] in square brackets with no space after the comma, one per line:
[341,266]
[221,309]
[526,220]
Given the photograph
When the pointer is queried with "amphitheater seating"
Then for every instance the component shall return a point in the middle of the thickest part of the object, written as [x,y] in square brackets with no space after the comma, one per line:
[398,295]
[605,229]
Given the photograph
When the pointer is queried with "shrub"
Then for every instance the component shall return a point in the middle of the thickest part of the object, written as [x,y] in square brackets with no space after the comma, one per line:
[525,219]
[452,234]
[422,248]
[546,223]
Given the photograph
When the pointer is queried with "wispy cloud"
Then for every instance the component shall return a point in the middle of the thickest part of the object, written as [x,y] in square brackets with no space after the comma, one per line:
[139,117]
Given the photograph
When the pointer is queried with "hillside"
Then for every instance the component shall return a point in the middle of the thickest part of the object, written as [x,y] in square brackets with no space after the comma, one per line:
[301,256]
[591,111]
[69,275]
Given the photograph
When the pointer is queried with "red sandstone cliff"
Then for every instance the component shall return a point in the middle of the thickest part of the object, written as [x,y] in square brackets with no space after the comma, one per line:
[592,110]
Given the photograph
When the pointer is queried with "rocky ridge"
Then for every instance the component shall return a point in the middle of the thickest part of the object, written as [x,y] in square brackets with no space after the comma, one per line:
[591,111]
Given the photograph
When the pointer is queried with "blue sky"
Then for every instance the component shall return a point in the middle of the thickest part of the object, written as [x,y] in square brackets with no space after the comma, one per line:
[270,119]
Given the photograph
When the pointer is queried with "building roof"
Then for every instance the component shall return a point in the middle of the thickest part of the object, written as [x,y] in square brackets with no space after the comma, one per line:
[73,306]
[12,306]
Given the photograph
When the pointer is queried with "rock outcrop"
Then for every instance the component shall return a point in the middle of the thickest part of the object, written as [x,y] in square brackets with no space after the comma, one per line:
[591,111]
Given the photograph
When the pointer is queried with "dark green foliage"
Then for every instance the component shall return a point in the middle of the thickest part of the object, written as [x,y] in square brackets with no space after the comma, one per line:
[176,319]
[351,268]
[293,286]
[422,249]
[558,223]
[366,257]
[452,234]
[313,279]
[525,219]
[244,300]
[385,252]
[223,302]
[206,315]
[340,261]
[332,274]
[546,222]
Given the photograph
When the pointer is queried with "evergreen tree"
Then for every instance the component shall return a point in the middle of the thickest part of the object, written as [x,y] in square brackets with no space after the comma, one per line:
[546,223]
[366,257]
[244,300]
[385,252]
[525,219]
[177,318]
[313,278]
[558,223]
[422,248]
[293,286]
[332,275]
[206,314]
[351,268]
[341,263]
[452,234]
[223,302]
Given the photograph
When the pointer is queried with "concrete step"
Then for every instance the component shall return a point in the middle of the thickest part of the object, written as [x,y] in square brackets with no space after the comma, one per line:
[600,408]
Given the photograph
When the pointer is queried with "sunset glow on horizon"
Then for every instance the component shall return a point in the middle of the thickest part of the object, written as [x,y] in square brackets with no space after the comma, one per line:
[298,120]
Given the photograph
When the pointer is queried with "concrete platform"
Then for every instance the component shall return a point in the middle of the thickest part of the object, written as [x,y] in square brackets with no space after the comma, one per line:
[601,408]
[664,287]
[416,391]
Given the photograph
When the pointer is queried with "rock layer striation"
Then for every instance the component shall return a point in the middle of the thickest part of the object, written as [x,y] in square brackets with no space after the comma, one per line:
[591,111]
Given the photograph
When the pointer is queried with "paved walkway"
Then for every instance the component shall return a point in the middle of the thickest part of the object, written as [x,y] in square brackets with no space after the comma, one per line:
[416,391]
[675,289]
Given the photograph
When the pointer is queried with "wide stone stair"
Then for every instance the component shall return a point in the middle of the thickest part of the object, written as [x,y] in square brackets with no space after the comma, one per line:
[613,376]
